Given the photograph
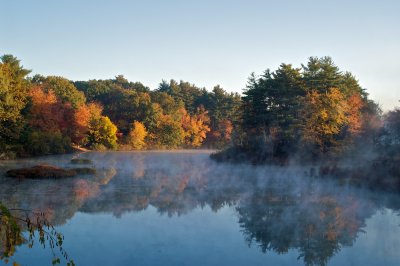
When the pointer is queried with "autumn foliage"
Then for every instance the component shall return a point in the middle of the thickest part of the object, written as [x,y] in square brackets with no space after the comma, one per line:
[195,127]
[47,113]
[311,112]
[137,135]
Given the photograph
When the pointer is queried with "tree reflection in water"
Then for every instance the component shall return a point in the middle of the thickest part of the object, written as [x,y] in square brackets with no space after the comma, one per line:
[13,223]
[316,226]
[278,209]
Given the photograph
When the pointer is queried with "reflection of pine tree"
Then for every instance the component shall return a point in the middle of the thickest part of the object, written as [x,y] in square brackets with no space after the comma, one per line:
[316,226]
[263,220]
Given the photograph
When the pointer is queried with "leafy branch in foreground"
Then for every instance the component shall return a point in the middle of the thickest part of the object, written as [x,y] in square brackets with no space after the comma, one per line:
[13,222]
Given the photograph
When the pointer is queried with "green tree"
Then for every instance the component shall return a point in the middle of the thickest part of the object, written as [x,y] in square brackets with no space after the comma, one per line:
[320,74]
[44,142]
[13,98]
[169,104]
[102,132]
[123,101]
[182,91]
[271,107]
[223,112]
[316,108]
[390,135]
[168,133]
[13,88]
[285,89]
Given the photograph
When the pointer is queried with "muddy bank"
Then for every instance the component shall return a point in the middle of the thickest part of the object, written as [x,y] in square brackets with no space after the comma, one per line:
[48,171]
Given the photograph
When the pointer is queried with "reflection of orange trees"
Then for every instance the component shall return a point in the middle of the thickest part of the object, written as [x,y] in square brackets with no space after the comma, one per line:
[169,190]
[57,200]
[170,197]
[84,189]
[140,167]
[340,221]
[316,226]
[277,214]
[174,191]
[329,226]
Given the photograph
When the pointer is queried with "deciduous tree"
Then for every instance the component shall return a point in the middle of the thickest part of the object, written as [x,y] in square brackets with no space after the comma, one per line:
[13,98]
[137,135]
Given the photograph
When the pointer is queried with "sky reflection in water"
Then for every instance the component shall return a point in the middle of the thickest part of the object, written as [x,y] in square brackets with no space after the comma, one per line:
[164,208]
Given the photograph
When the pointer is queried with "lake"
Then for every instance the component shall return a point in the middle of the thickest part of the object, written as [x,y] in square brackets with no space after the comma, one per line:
[181,208]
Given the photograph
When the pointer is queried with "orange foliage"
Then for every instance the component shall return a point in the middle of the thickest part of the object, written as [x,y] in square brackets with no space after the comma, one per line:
[82,116]
[226,128]
[47,113]
[195,127]
[354,105]
[222,132]
[81,120]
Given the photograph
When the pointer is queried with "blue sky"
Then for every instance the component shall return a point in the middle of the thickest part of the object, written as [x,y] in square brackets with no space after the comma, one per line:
[206,42]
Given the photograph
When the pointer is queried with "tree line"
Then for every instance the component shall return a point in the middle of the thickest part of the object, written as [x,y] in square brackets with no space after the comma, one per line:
[310,113]
[51,114]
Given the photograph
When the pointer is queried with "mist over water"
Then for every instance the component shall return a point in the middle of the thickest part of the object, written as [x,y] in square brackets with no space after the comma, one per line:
[181,208]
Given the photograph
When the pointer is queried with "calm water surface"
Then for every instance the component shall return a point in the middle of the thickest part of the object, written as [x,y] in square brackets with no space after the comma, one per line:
[181,208]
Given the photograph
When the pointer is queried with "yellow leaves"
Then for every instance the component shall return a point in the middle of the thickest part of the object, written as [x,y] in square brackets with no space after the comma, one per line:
[335,95]
[137,135]
[195,127]
[324,114]
[327,114]
[102,132]
[171,130]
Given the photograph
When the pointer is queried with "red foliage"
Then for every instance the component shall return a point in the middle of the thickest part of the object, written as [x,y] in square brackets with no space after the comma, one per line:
[48,114]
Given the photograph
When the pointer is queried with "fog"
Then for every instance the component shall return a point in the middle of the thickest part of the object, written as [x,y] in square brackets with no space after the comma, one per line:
[277,208]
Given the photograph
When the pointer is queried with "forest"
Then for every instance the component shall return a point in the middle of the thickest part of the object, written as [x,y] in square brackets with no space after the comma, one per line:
[316,116]
[51,115]
[312,113]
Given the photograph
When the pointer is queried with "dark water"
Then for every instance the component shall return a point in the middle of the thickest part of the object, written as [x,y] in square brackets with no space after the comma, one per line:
[181,208]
